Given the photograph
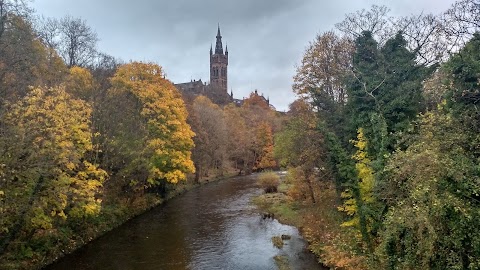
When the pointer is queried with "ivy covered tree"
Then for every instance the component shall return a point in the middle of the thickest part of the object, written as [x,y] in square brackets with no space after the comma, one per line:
[359,197]
[432,191]
[431,188]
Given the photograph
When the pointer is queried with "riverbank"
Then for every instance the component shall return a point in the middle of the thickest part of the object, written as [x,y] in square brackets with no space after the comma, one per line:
[319,224]
[45,247]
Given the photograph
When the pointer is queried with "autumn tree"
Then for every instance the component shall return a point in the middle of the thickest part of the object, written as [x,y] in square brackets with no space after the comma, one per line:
[260,121]
[321,77]
[24,61]
[239,138]
[301,145]
[431,189]
[48,178]
[147,136]
[208,123]
[80,83]
[9,9]
[263,149]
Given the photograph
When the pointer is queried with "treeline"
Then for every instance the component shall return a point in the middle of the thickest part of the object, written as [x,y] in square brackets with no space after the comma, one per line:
[388,117]
[234,138]
[87,141]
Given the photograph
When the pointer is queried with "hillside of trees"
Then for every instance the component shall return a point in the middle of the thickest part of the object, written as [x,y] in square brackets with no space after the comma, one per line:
[88,141]
[383,141]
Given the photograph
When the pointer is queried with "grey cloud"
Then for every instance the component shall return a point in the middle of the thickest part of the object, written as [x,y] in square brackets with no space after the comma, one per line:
[265,38]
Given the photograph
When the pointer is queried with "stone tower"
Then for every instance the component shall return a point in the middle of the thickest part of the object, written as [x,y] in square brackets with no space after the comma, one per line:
[218,65]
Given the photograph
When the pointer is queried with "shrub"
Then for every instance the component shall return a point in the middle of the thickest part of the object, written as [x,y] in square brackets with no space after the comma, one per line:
[269,181]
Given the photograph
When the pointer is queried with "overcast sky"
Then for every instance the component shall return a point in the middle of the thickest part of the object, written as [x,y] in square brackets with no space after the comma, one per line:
[266,38]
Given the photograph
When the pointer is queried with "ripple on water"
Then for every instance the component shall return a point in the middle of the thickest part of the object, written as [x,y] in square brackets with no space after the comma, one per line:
[212,227]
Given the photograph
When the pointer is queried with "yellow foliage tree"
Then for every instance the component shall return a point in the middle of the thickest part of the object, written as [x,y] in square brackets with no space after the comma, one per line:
[48,175]
[264,147]
[166,147]
[238,137]
[80,83]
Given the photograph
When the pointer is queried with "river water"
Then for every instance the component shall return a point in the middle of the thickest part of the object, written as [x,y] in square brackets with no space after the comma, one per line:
[211,227]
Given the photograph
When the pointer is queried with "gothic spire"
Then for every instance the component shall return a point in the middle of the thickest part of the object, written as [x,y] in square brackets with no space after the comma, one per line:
[218,44]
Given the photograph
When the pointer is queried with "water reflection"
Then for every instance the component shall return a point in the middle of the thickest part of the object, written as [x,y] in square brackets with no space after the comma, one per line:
[212,227]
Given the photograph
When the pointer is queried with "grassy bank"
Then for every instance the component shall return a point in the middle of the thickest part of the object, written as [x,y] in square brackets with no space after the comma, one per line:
[44,247]
[319,223]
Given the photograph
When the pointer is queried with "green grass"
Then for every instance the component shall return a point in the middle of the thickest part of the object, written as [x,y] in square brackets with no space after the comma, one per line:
[278,204]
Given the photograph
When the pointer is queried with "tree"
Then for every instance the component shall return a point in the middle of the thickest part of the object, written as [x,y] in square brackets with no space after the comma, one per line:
[464,68]
[73,39]
[263,148]
[259,118]
[363,108]
[461,21]
[385,90]
[375,21]
[239,138]
[425,37]
[301,145]
[359,198]
[147,136]
[24,61]
[47,175]
[255,100]
[10,9]
[432,191]
[321,77]
[431,187]
[400,96]
[207,121]
[80,83]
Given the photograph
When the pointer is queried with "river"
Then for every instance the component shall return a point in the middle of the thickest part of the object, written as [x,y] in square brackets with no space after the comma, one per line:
[211,227]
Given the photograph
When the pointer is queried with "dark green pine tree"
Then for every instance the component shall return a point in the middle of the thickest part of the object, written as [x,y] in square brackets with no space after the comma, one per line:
[363,87]
[385,92]
[400,97]
[465,69]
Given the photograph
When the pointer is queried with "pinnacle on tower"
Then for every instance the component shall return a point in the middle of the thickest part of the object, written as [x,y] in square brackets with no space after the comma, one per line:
[218,44]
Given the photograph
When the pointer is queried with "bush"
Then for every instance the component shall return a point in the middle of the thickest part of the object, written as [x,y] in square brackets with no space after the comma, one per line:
[269,181]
